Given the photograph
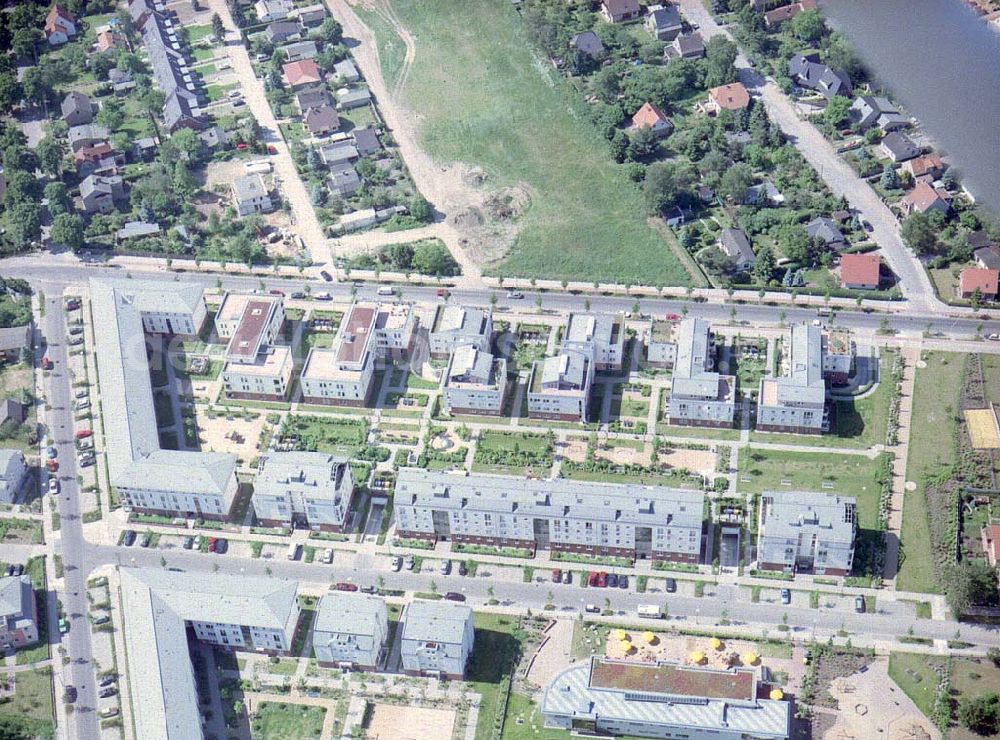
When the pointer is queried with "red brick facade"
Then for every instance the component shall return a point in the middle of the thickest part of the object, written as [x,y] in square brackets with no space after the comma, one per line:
[554,417]
[274,397]
[787,429]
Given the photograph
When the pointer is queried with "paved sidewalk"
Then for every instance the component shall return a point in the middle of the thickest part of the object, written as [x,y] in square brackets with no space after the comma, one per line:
[910,357]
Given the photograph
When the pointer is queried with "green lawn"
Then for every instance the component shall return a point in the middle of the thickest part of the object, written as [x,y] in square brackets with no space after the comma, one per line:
[276,721]
[932,445]
[970,678]
[915,675]
[31,705]
[492,660]
[523,124]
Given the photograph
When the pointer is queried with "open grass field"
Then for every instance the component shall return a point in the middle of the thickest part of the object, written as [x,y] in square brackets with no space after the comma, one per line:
[31,705]
[932,445]
[485,99]
[280,720]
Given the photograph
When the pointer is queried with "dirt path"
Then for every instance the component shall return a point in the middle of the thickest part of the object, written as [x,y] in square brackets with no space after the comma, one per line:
[385,9]
[442,186]
[292,188]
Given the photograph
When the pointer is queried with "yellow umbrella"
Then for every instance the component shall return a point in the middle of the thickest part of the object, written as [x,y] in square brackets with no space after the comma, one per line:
[716,643]
[777,694]
[620,634]
[649,637]
[750,658]
[697,656]
[625,645]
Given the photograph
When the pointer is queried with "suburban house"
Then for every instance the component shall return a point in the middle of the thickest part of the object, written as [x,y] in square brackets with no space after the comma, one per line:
[300,50]
[436,639]
[727,97]
[973,279]
[860,271]
[625,520]
[987,257]
[618,11]
[766,192]
[280,32]
[272,10]
[475,382]
[795,400]
[366,141]
[736,246]
[807,71]
[686,46]
[311,15]
[652,118]
[99,194]
[826,230]
[455,326]
[661,343]
[321,121]
[13,341]
[11,412]
[343,180]
[339,153]
[898,147]
[923,198]
[355,97]
[313,490]
[806,531]
[369,333]
[559,387]
[663,22]
[250,195]
[699,396]
[350,631]
[136,230]
[588,43]
[60,26]
[346,71]
[120,80]
[77,109]
[13,471]
[604,697]
[84,135]
[108,40]
[312,97]
[990,537]
[255,367]
[777,16]
[18,613]
[302,73]
[869,110]
[925,167]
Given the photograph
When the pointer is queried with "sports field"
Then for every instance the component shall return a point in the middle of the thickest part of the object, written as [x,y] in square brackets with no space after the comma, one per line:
[483,98]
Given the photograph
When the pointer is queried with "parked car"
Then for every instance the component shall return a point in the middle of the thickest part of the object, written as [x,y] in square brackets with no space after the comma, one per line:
[76,341]
[74,330]
[515,295]
[397,563]
[463,570]
[859,604]
[556,575]
[671,585]
[568,576]
[445,567]
[786,596]
[328,555]
[54,486]
[86,462]
[622,581]
[52,452]
[211,544]
[592,578]
[409,562]
[602,579]
[188,543]
[368,589]
[128,539]
[10,571]
[63,626]
[298,295]
[347,586]
[109,713]
[70,694]
[146,538]
[221,546]
[454,596]
[592,609]
[103,619]
[83,433]
[47,364]
[110,691]
[612,580]
[19,569]
[326,276]
[108,679]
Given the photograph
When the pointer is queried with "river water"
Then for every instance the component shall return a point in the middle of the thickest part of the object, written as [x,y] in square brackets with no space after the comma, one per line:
[942,63]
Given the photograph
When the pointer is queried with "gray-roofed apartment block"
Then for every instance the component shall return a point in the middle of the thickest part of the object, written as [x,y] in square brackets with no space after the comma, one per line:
[806,531]
[699,396]
[602,336]
[158,606]
[624,520]
[559,387]
[350,630]
[148,479]
[475,382]
[437,639]
[663,700]
[796,401]
[313,489]
[455,326]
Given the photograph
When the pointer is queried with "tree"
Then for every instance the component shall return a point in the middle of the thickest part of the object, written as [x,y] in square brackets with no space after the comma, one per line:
[184,181]
[971,584]
[218,29]
[920,233]
[720,56]
[50,153]
[665,181]
[840,55]
[57,195]
[67,229]
[981,714]
[643,143]
[24,224]
[808,26]
[11,91]
[607,84]
[795,243]
[23,42]
[433,258]
[763,267]
[420,209]
[331,32]
[735,182]
[111,115]
[890,178]
[836,111]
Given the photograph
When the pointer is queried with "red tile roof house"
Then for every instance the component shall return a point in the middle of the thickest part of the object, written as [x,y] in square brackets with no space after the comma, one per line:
[616,11]
[977,278]
[774,18]
[991,543]
[727,97]
[108,41]
[60,26]
[651,117]
[929,167]
[925,197]
[860,271]
[302,73]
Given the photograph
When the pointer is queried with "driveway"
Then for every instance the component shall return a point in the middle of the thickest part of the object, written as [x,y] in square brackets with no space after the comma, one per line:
[833,170]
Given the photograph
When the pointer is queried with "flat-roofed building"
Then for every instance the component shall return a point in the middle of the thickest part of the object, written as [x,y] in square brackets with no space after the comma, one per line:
[661,343]
[233,307]
[437,639]
[796,401]
[370,332]
[699,396]
[267,378]
[664,700]
[159,608]
[806,531]
[350,631]
[455,326]
[838,356]
[18,613]
[255,368]
[601,336]
[475,382]
[307,489]
[559,387]
[623,520]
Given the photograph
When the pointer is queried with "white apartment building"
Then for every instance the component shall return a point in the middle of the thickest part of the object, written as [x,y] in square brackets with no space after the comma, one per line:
[806,531]
[796,401]
[699,396]
[12,473]
[267,378]
[559,387]
[232,312]
[661,343]
[475,382]
[308,489]
[632,521]
[600,336]
[250,195]
[437,639]
[350,631]
[171,482]
[370,332]
[256,368]
[838,356]
[456,326]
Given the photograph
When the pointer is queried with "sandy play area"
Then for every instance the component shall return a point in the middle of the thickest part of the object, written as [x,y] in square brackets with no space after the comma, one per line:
[232,434]
[871,705]
[624,455]
[574,450]
[553,655]
[698,461]
[390,722]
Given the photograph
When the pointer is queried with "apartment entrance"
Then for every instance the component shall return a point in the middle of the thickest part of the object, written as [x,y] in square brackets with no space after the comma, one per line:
[643,543]
[541,532]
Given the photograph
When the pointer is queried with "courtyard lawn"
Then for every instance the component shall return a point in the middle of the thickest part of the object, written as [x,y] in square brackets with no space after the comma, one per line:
[915,675]
[524,125]
[496,646]
[932,446]
[279,720]
[513,453]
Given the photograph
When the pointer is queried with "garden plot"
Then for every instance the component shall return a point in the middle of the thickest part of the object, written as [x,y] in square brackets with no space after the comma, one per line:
[702,462]
[237,434]
[574,450]
[410,723]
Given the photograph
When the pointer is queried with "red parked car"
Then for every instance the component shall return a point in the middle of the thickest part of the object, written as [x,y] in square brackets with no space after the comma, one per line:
[592,578]
[83,433]
[556,575]
[347,587]
[673,317]
[602,579]
[211,544]
[46,363]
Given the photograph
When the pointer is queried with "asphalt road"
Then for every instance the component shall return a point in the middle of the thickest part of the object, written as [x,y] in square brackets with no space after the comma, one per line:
[82,722]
